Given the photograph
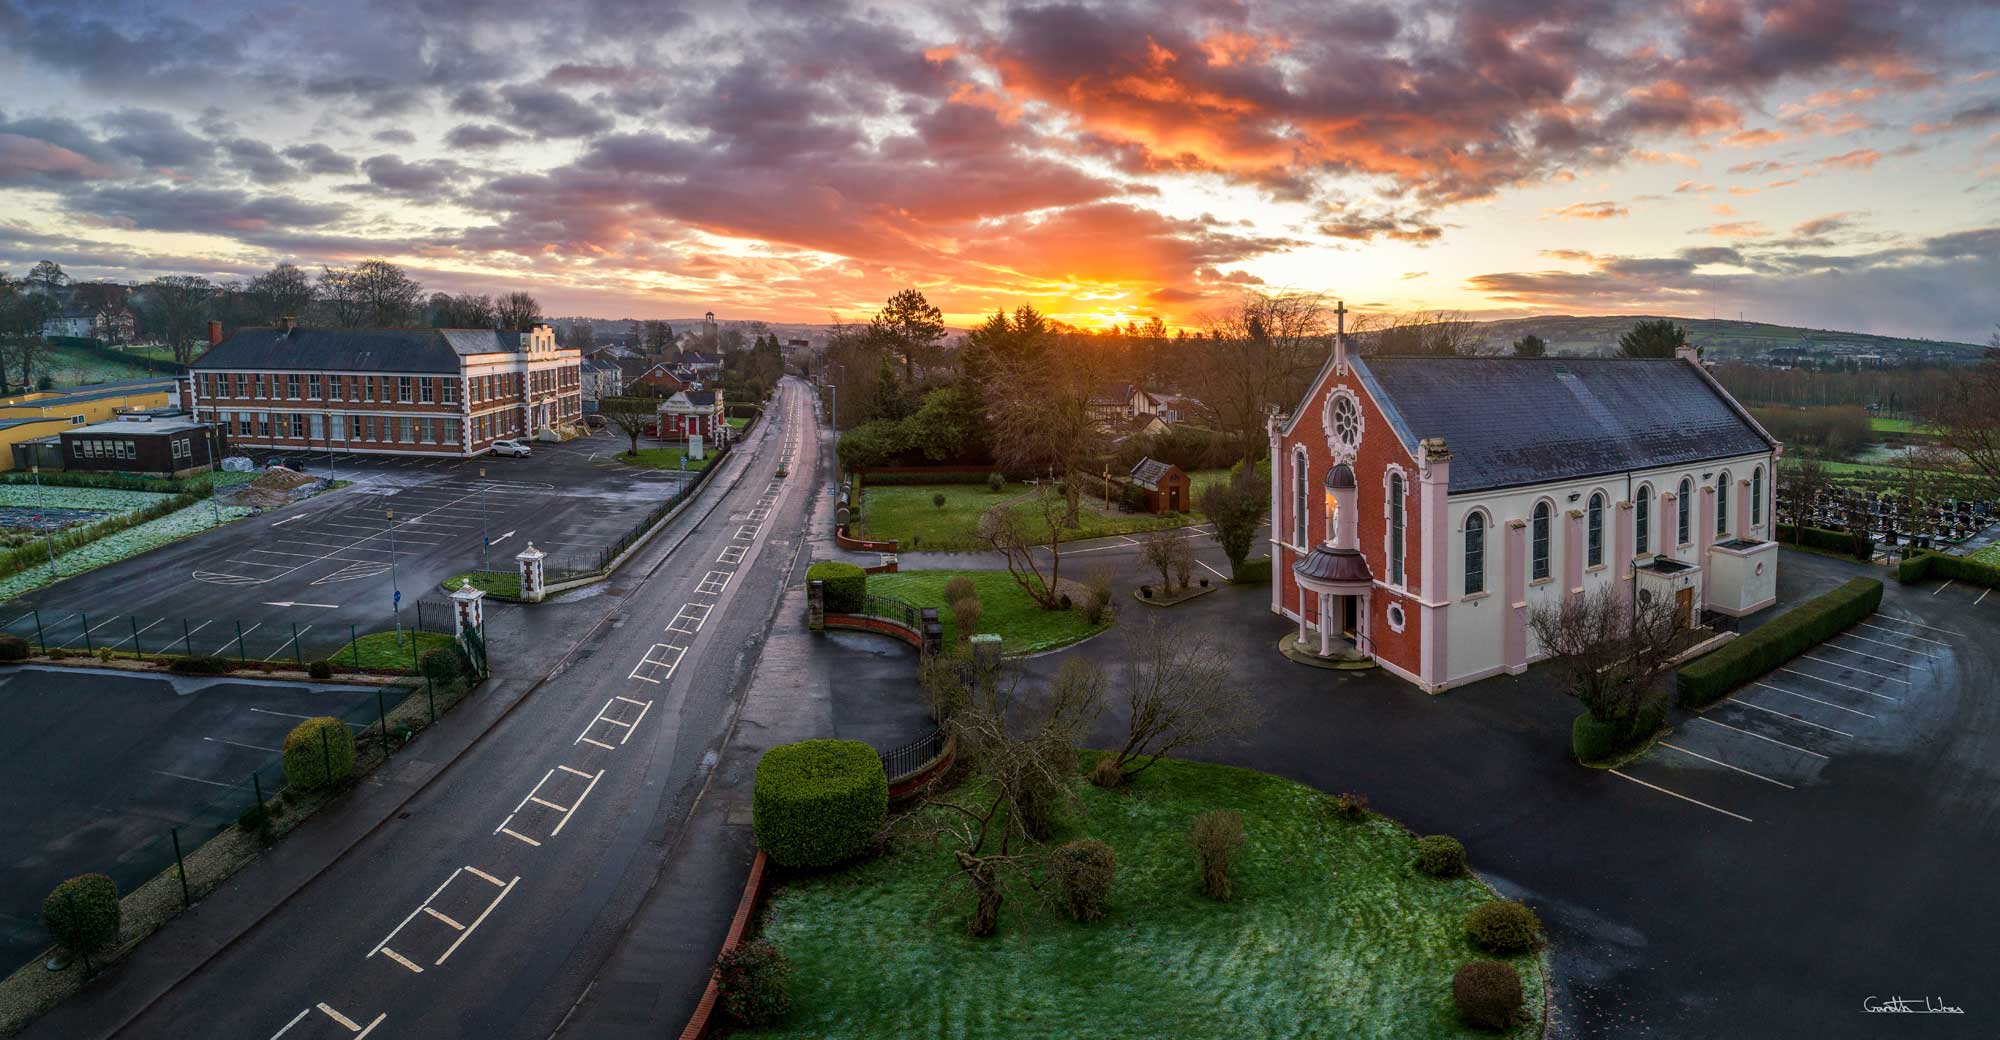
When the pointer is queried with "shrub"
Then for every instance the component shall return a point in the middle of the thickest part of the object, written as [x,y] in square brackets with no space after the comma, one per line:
[320,669]
[13,648]
[1440,855]
[1216,835]
[966,612]
[1855,542]
[441,665]
[1083,871]
[996,483]
[105,654]
[1777,641]
[1107,773]
[937,499]
[1253,572]
[846,585]
[1350,806]
[752,983]
[1503,926]
[199,665]
[958,588]
[818,802]
[1594,741]
[319,753]
[82,913]
[255,819]
[1488,994]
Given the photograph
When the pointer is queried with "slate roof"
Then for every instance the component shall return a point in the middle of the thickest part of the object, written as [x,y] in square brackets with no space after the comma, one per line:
[354,350]
[1511,422]
[1149,472]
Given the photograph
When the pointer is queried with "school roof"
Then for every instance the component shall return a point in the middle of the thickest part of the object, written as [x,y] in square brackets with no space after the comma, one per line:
[95,393]
[1511,422]
[8,424]
[139,427]
[354,350]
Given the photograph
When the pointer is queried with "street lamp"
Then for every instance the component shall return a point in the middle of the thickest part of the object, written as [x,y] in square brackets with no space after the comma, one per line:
[485,533]
[395,601]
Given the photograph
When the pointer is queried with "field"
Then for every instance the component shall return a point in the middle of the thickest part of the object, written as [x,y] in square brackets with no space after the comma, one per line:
[1884,424]
[1330,933]
[664,458]
[69,367]
[908,513]
[1022,625]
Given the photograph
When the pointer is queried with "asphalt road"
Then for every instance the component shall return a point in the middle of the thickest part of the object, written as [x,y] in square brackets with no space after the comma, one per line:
[486,910]
[331,565]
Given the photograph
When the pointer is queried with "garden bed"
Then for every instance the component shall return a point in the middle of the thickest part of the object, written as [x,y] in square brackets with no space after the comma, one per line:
[121,545]
[1168,599]
[1021,623]
[1331,932]
[664,458]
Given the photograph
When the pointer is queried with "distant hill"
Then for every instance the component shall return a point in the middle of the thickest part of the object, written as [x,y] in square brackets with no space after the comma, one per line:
[1721,339]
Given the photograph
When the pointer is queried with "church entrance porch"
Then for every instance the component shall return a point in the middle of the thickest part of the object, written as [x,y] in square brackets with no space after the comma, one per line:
[1329,633]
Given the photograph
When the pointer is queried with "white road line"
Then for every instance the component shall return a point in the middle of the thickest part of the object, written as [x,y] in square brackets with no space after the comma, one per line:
[1898,647]
[246,633]
[1682,797]
[289,1025]
[414,913]
[275,552]
[477,921]
[1982,597]
[476,872]
[576,772]
[196,779]
[1844,686]
[288,642]
[454,924]
[363,1035]
[1212,570]
[564,822]
[1919,624]
[502,829]
[1761,736]
[1741,703]
[402,960]
[1906,635]
[289,519]
[289,715]
[1726,765]
[546,804]
[732,554]
[599,743]
[238,743]
[531,791]
[1942,587]
[629,700]
[1857,653]
[340,1018]
[635,722]
[1815,700]
[1851,668]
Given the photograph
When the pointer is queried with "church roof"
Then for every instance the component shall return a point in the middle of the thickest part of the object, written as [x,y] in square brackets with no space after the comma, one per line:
[1511,422]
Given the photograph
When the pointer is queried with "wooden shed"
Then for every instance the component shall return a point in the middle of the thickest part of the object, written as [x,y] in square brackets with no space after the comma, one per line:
[1167,489]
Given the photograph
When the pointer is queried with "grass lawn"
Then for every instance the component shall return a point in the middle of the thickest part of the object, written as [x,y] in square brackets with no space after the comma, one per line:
[908,514]
[663,458]
[379,650]
[505,584]
[1331,933]
[1990,554]
[1882,424]
[738,424]
[1023,626]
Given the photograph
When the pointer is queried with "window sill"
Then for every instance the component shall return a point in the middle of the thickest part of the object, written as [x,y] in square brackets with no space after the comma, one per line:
[1594,568]
[1473,597]
[1542,581]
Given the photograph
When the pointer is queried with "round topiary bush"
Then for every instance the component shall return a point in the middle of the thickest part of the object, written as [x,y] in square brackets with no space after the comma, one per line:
[1504,926]
[320,669]
[996,483]
[82,913]
[13,648]
[1083,871]
[819,802]
[1440,855]
[319,753]
[1488,994]
[752,982]
[846,585]
[441,665]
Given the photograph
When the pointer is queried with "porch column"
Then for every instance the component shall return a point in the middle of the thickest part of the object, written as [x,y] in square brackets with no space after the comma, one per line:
[1514,631]
[1434,542]
[1302,612]
[1743,512]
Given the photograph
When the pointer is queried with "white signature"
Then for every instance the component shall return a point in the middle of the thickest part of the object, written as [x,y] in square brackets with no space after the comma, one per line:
[1909,1006]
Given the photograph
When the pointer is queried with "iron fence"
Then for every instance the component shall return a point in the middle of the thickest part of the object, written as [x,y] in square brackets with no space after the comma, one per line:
[241,643]
[892,608]
[910,759]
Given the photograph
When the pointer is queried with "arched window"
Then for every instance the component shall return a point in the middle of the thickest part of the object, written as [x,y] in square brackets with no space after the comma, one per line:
[1541,540]
[1300,501]
[1642,518]
[1722,503]
[1595,520]
[1475,552]
[1395,529]
[1682,525]
[1757,496]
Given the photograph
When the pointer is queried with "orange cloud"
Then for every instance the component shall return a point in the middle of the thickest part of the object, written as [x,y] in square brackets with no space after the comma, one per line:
[1591,211]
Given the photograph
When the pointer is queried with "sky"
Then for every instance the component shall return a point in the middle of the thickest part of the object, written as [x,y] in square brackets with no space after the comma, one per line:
[1825,163]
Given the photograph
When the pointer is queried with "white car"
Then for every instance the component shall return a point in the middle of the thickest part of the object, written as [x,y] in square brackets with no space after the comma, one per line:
[512,447]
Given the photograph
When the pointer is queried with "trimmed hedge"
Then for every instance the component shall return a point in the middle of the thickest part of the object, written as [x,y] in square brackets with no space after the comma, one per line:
[319,753]
[82,913]
[818,802]
[1856,544]
[13,648]
[846,585]
[880,478]
[1594,741]
[1777,641]
[1920,564]
[113,481]
[1503,926]
[1487,994]
[200,666]
[36,553]
[1440,856]
[1255,571]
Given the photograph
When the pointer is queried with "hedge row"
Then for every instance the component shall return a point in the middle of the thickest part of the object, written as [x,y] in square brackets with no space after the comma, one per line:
[1856,543]
[1919,564]
[846,585]
[36,553]
[818,802]
[114,481]
[1255,571]
[1777,641]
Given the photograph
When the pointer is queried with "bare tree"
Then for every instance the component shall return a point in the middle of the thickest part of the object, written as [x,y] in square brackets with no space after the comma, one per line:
[177,308]
[1968,424]
[1429,334]
[516,312]
[1171,555]
[1609,653]
[631,415]
[1800,483]
[1021,535]
[1258,355]
[1179,691]
[1043,400]
[284,291]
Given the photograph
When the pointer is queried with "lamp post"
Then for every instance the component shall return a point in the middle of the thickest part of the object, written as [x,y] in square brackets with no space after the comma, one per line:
[36,469]
[396,600]
[485,533]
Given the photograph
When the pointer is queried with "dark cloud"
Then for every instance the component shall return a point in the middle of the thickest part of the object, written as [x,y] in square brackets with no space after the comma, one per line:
[473,136]
[475,101]
[206,210]
[1978,114]
[320,158]
[395,135]
[52,153]
[259,161]
[156,140]
[151,54]
[548,112]
[425,180]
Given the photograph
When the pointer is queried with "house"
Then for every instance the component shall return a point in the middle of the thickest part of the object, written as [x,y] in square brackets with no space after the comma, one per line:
[1166,488]
[70,321]
[602,378]
[166,446]
[1422,507]
[690,413]
[653,377]
[704,366]
[1123,429]
[428,392]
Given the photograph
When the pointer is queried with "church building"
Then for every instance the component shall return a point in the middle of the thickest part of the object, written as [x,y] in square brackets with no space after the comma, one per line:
[1421,507]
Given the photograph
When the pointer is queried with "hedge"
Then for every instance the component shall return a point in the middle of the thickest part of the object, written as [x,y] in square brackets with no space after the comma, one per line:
[888,478]
[1844,542]
[1594,741]
[818,802]
[319,753]
[1919,564]
[82,913]
[846,585]
[1777,641]
[113,481]
[1255,571]
[36,553]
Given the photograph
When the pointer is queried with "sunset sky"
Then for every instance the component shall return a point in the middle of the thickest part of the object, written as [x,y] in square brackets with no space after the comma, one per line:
[1813,162]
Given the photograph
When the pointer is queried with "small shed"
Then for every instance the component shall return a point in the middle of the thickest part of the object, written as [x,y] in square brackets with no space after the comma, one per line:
[1166,488]
[165,446]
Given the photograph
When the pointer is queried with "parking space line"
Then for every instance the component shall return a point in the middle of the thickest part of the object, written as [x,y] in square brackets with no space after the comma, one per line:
[238,743]
[1740,702]
[196,779]
[1761,736]
[546,804]
[687,616]
[454,924]
[290,715]
[1682,797]
[1844,686]
[1857,653]
[1883,642]
[1982,597]
[478,873]
[1815,700]
[502,829]
[599,743]
[564,822]
[1905,635]
[1919,624]
[1725,765]
[713,583]
[477,921]
[574,772]
[289,1025]
[732,554]
[1852,668]
[288,642]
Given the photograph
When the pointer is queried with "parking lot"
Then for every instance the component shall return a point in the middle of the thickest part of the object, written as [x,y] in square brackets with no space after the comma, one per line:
[100,767]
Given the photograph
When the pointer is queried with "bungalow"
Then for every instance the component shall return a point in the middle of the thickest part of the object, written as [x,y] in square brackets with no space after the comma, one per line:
[691,413]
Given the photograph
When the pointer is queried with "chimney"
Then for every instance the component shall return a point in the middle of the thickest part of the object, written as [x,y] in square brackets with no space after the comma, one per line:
[1689,353]
[214,333]
[286,324]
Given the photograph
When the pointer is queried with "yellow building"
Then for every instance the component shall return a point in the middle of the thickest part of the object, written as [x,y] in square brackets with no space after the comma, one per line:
[26,417]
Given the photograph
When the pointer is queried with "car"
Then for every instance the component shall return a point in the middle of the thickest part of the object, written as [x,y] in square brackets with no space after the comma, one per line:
[512,447]
[595,422]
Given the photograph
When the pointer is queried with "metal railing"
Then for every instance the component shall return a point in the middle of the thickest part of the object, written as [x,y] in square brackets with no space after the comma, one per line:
[912,758]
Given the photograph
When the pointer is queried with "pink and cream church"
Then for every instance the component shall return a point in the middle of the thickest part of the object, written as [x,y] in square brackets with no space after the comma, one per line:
[1421,507]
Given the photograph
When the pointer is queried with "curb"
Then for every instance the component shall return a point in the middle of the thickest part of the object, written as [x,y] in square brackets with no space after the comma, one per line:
[753,893]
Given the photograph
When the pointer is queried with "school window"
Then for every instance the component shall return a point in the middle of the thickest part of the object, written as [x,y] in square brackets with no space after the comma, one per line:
[451,391]
[403,389]
[368,387]
[1722,503]
[334,387]
[1395,529]
[264,425]
[337,427]
[313,428]
[312,388]
[1642,519]
[408,435]
[257,386]
[292,387]
[76,448]
[451,431]
[427,391]
[424,429]
[1685,510]
[1757,496]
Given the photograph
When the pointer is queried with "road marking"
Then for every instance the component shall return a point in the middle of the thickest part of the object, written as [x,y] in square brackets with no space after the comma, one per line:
[713,584]
[503,538]
[688,615]
[502,829]
[746,532]
[1982,597]
[238,743]
[1942,587]
[1898,647]
[289,715]
[1815,700]
[1740,702]
[599,743]
[1726,765]
[290,603]
[1682,797]
[478,873]
[1761,736]
[1857,653]
[454,924]
[338,1017]
[1844,686]
[225,644]
[1906,635]
[289,519]
[477,921]
[732,554]
[289,1025]
[196,779]
[546,804]
[1851,668]
[577,772]
[564,822]
[1212,570]
[288,642]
